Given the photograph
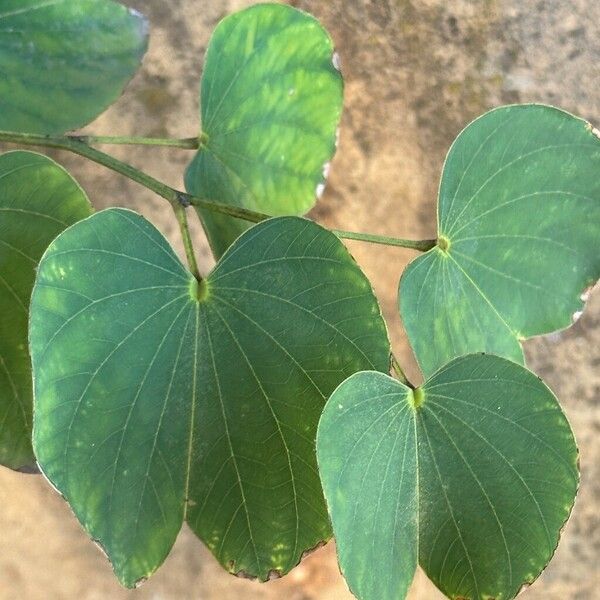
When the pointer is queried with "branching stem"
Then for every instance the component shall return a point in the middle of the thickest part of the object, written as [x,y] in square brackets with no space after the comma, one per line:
[179,200]
[183,143]
[75,145]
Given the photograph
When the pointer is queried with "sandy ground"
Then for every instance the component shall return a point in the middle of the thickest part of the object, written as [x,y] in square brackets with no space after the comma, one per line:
[417,71]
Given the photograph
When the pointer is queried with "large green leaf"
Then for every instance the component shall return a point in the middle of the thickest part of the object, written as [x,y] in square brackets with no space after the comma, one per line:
[38,200]
[271,101]
[519,223]
[64,61]
[473,476]
[158,400]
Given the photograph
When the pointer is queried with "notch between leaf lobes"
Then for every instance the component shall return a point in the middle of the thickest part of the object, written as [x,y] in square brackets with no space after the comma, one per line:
[416,398]
[199,290]
[443,244]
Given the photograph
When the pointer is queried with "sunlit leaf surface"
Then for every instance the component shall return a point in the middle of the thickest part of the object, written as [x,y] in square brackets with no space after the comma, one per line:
[519,222]
[63,62]
[271,101]
[159,400]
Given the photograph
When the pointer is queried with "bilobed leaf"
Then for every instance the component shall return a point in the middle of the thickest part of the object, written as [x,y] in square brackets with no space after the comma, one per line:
[473,475]
[519,220]
[271,101]
[38,200]
[159,400]
[63,62]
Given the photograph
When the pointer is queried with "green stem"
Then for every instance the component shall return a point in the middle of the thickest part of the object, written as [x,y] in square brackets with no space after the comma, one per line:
[177,198]
[184,143]
[82,149]
[181,216]
[421,245]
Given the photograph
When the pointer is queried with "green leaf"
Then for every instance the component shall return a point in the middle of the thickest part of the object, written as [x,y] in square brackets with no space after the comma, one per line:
[38,200]
[63,62]
[159,400]
[473,475]
[271,102]
[519,208]
[366,446]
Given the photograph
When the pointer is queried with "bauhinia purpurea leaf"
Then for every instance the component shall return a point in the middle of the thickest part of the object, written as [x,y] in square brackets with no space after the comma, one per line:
[63,62]
[159,400]
[519,227]
[472,476]
[271,102]
[38,200]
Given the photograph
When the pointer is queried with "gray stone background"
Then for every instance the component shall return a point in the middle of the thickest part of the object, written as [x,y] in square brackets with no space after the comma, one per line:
[416,72]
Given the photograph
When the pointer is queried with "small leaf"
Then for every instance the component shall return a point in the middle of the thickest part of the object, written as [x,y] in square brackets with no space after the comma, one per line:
[475,472]
[38,200]
[159,400]
[519,216]
[63,62]
[271,102]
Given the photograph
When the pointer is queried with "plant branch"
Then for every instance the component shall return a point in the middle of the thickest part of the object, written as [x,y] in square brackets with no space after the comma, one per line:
[421,245]
[78,145]
[184,143]
[82,149]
